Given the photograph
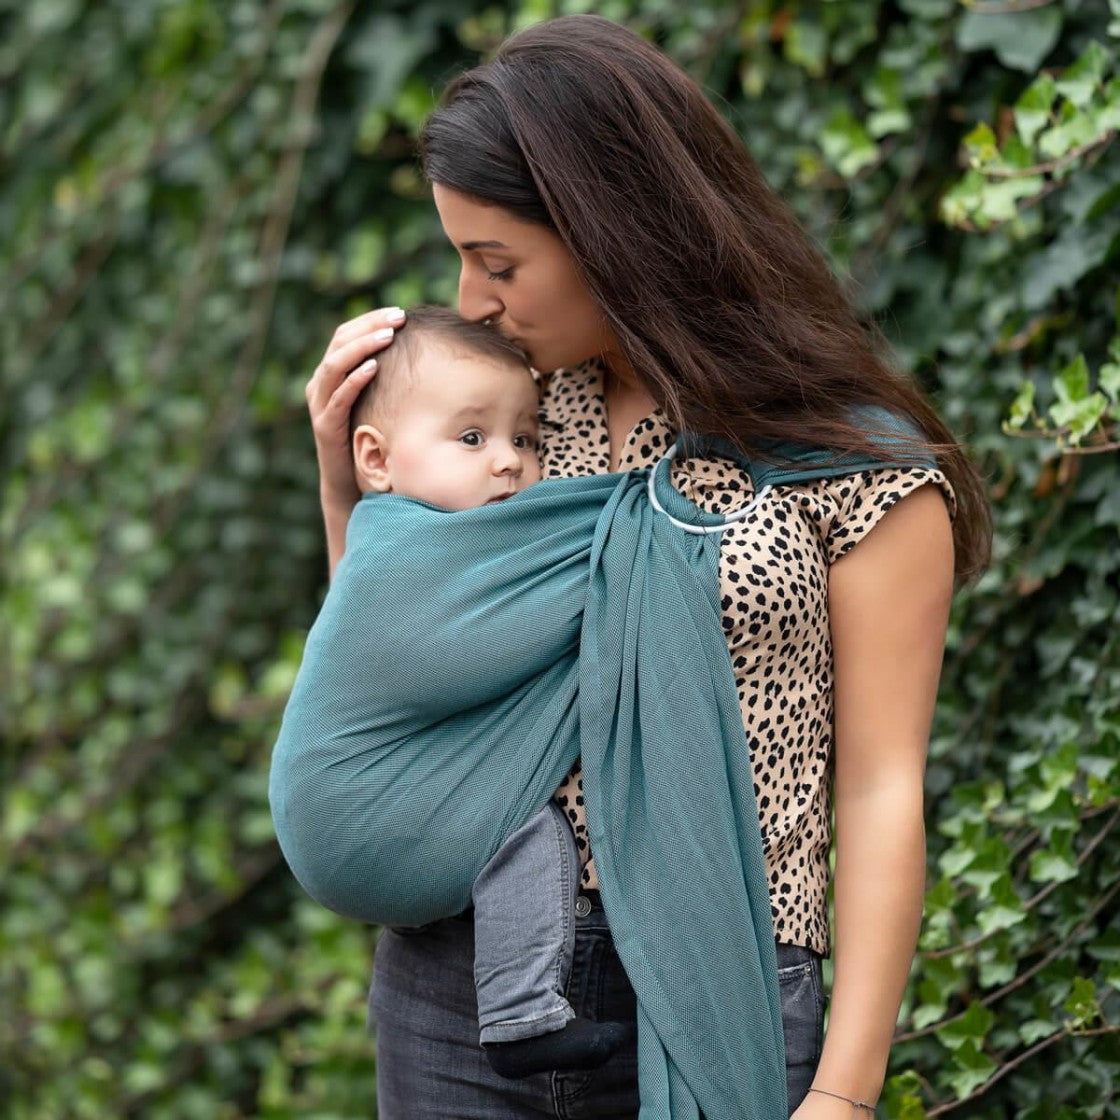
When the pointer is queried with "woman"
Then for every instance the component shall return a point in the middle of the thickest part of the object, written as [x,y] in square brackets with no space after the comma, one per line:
[610,222]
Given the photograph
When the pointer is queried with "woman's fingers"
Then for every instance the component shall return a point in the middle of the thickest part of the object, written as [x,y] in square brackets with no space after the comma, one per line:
[353,343]
[330,421]
[366,324]
[347,368]
[336,413]
[336,365]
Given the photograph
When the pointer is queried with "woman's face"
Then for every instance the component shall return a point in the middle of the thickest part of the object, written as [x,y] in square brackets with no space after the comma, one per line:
[522,277]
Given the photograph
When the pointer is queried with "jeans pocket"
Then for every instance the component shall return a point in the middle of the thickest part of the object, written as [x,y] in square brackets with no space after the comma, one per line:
[802,997]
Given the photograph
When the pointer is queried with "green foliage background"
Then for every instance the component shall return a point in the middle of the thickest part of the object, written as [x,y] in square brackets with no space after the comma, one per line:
[194,194]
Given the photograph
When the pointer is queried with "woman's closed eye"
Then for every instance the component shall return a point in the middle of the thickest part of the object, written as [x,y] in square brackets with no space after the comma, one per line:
[502,274]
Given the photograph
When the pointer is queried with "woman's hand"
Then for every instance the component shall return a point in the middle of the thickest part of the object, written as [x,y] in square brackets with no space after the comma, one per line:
[347,368]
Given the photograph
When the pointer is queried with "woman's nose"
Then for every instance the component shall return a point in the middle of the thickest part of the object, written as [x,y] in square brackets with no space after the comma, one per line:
[477,298]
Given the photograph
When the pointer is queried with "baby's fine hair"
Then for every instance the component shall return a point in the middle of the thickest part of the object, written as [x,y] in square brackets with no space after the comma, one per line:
[396,363]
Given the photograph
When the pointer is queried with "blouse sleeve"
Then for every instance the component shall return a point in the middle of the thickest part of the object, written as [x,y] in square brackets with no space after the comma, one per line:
[857,502]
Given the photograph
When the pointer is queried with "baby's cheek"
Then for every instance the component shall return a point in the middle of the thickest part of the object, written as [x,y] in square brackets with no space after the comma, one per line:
[410,459]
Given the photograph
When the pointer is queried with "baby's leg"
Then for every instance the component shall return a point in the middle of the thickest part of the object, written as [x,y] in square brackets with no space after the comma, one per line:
[524,919]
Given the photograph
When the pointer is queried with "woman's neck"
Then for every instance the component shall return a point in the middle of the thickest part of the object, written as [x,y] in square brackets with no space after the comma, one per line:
[627,403]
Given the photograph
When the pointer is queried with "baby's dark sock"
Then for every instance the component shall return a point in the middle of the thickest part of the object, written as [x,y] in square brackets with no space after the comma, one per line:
[579,1044]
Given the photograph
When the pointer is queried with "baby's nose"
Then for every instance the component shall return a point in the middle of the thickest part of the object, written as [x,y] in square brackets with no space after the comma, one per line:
[507,461]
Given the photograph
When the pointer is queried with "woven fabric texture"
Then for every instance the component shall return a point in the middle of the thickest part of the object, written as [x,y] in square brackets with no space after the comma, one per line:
[466,660]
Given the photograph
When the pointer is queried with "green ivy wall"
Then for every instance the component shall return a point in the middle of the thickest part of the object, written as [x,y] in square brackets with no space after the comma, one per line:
[193,193]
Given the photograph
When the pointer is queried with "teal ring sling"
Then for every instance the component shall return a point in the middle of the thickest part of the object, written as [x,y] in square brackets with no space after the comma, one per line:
[459,666]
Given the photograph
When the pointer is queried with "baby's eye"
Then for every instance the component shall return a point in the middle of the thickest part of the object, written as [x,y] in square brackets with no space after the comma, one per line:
[525,442]
[473,438]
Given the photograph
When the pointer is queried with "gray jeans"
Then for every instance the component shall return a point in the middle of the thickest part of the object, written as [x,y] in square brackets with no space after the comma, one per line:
[524,930]
[429,1062]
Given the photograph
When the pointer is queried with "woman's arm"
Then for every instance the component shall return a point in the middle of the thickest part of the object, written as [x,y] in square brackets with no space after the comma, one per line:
[888,605]
[347,368]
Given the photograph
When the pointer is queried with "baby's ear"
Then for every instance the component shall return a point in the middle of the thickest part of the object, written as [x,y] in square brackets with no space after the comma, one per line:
[370,451]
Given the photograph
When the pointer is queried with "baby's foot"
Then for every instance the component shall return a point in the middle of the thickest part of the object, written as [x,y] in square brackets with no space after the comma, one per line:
[579,1044]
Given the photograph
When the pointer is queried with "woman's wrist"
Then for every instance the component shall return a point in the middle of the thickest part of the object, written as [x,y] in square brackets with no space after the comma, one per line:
[861,1107]
[336,518]
[853,1064]
[338,503]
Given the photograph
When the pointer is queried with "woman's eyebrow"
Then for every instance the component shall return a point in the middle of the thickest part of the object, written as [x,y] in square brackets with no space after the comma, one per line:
[483,245]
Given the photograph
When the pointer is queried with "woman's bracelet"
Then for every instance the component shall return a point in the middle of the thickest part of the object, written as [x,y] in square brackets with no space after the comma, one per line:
[869,1108]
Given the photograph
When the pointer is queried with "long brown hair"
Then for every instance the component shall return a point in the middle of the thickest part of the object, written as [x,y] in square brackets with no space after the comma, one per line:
[727,312]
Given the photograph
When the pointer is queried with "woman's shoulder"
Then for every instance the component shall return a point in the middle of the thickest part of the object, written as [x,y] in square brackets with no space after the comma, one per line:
[846,494]
[848,506]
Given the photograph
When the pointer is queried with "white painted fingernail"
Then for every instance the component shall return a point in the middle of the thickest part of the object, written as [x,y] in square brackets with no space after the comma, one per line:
[384,332]
[366,366]
[395,312]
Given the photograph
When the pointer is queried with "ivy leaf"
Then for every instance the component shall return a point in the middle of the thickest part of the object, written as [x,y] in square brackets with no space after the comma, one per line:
[846,144]
[1105,201]
[972,1026]
[1082,1002]
[980,145]
[1032,110]
[363,253]
[1110,381]
[1111,976]
[1021,407]
[998,963]
[1021,40]
[806,45]
[929,1010]
[386,51]
[928,9]
[1058,768]
[1069,257]
[1003,909]
[1080,80]
[1072,384]
[1076,129]
[999,201]
[21,810]
[1057,863]
[988,866]
[1076,409]
[884,122]
[1108,115]
[954,860]
[1017,155]
[902,1097]
[884,93]
[143,1077]
[1081,417]
[1033,1030]
[1109,377]
[971,1068]
[961,201]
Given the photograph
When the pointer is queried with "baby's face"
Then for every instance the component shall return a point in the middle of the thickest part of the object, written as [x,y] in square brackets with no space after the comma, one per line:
[465,433]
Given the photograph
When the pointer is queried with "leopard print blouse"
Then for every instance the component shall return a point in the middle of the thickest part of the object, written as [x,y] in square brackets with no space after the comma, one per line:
[774,583]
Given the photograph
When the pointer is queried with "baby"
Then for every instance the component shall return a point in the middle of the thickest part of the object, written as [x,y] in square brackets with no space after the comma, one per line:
[451,420]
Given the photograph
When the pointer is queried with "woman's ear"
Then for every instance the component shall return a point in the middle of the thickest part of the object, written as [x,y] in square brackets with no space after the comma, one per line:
[370,459]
